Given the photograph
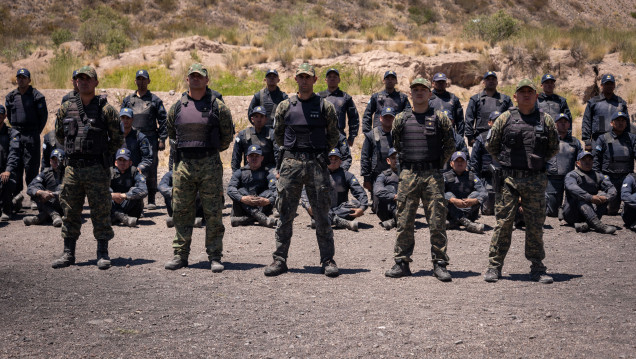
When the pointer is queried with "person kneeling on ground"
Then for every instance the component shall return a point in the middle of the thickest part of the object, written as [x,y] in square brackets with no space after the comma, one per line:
[465,194]
[342,212]
[128,189]
[385,189]
[587,195]
[628,196]
[252,189]
[165,188]
[45,190]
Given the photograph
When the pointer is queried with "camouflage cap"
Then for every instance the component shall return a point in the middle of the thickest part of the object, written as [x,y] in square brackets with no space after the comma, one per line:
[526,83]
[305,68]
[88,71]
[421,81]
[199,69]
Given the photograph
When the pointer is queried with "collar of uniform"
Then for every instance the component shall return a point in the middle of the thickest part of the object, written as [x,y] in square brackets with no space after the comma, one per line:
[310,97]
[549,97]
[146,96]
[437,93]
[208,94]
[395,91]
[336,92]
[495,95]
[613,97]
[583,173]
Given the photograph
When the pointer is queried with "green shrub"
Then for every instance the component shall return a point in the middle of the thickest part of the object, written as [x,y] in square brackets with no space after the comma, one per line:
[102,25]
[13,51]
[116,41]
[421,14]
[494,28]
[61,35]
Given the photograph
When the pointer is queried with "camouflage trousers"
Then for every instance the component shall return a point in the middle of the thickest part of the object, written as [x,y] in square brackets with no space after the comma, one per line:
[205,177]
[577,211]
[313,174]
[94,183]
[429,187]
[531,190]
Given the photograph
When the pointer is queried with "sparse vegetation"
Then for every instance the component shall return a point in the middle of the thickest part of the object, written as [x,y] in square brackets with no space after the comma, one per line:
[61,35]
[494,28]
[61,68]
[124,77]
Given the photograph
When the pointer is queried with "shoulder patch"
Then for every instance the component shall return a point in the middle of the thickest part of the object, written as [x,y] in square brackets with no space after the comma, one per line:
[605,177]
[599,148]
[40,178]
[624,184]
[475,180]
[237,139]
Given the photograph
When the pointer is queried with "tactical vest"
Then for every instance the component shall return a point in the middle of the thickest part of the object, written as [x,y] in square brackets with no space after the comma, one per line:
[392,181]
[421,142]
[142,115]
[198,129]
[442,105]
[338,102]
[267,144]
[621,155]
[603,111]
[340,192]
[382,146]
[18,113]
[123,182]
[461,186]
[305,125]
[131,142]
[549,106]
[85,128]
[486,157]
[384,100]
[588,181]
[565,160]
[270,106]
[487,105]
[254,182]
[524,144]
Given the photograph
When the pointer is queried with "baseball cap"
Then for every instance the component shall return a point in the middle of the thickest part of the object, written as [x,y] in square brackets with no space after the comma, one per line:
[88,71]
[23,72]
[142,73]
[388,111]
[490,73]
[123,153]
[392,151]
[583,154]
[306,68]
[74,74]
[2,109]
[126,112]
[258,109]
[58,153]
[390,73]
[493,115]
[335,152]
[607,78]
[271,71]
[331,69]
[619,114]
[420,81]
[525,83]
[547,77]
[458,154]
[560,116]
[199,69]
[440,77]
[254,149]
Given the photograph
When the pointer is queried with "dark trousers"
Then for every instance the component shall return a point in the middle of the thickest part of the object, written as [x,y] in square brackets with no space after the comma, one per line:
[488,206]
[240,209]
[6,194]
[615,205]
[629,216]
[385,209]
[455,214]
[49,208]
[30,162]
[131,208]
[554,195]
[151,172]
[577,211]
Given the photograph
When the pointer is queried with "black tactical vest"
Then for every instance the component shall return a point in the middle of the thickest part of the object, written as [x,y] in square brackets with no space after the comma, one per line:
[123,182]
[198,128]
[340,187]
[85,128]
[487,105]
[524,144]
[382,145]
[131,142]
[18,114]
[620,153]
[270,106]
[338,102]
[421,142]
[267,144]
[565,160]
[384,100]
[254,182]
[549,106]
[392,180]
[603,112]
[142,115]
[461,186]
[305,125]
[589,181]
[440,104]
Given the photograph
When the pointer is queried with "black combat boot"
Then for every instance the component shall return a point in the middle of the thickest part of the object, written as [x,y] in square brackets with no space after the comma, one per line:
[17,202]
[241,221]
[343,223]
[151,202]
[103,260]
[263,220]
[492,275]
[216,266]
[471,226]
[538,273]
[124,219]
[600,227]
[169,222]
[176,262]
[277,267]
[400,269]
[581,227]
[34,220]
[68,257]
[388,224]
[440,272]
[330,269]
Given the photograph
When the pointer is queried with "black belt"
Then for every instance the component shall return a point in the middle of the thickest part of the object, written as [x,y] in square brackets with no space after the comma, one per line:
[514,173]
[83,162]
[420,166]
[196,155]
[556,177]
[302,155]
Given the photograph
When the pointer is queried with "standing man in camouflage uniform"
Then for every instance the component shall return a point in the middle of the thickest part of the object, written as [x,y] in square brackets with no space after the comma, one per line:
[481,105]
[306,129]
[345,107]
[551,103]
[27,113]
[599,111]
[424,140]
[389,97]
[150,119]
[521,140]
[269,97]
[202,127]
[443,100]
[91,132]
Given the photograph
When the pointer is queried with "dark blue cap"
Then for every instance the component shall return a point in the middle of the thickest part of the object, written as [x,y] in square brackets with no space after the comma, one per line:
[392,151]
[560,116]
[490,73]
[254,149]
[2,109]
[74,74]
[258,109]
[58,153]
[458,154]
[271,71]
[493,115]
[583,154]
[23,72]
[619,114]
[126,112]
[440,76]
[547,77]
[142,73]
[390,73]
[331,69]
[335,152]
[388,111]
[123,153]
[607,78]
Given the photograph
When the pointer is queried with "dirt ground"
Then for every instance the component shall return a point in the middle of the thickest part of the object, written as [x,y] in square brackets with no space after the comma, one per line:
[137,308]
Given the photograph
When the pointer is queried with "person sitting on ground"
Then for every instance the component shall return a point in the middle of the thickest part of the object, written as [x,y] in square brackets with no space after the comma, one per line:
[343,212]
[140,148]
[257,134]
[465,193]
[128,189]
[385,192]
[628,196]
[485,166]
[253,191]
[9,159]
[45,190]
[587,195]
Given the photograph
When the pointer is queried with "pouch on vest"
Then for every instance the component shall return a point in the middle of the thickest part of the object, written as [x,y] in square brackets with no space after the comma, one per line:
[70,127]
